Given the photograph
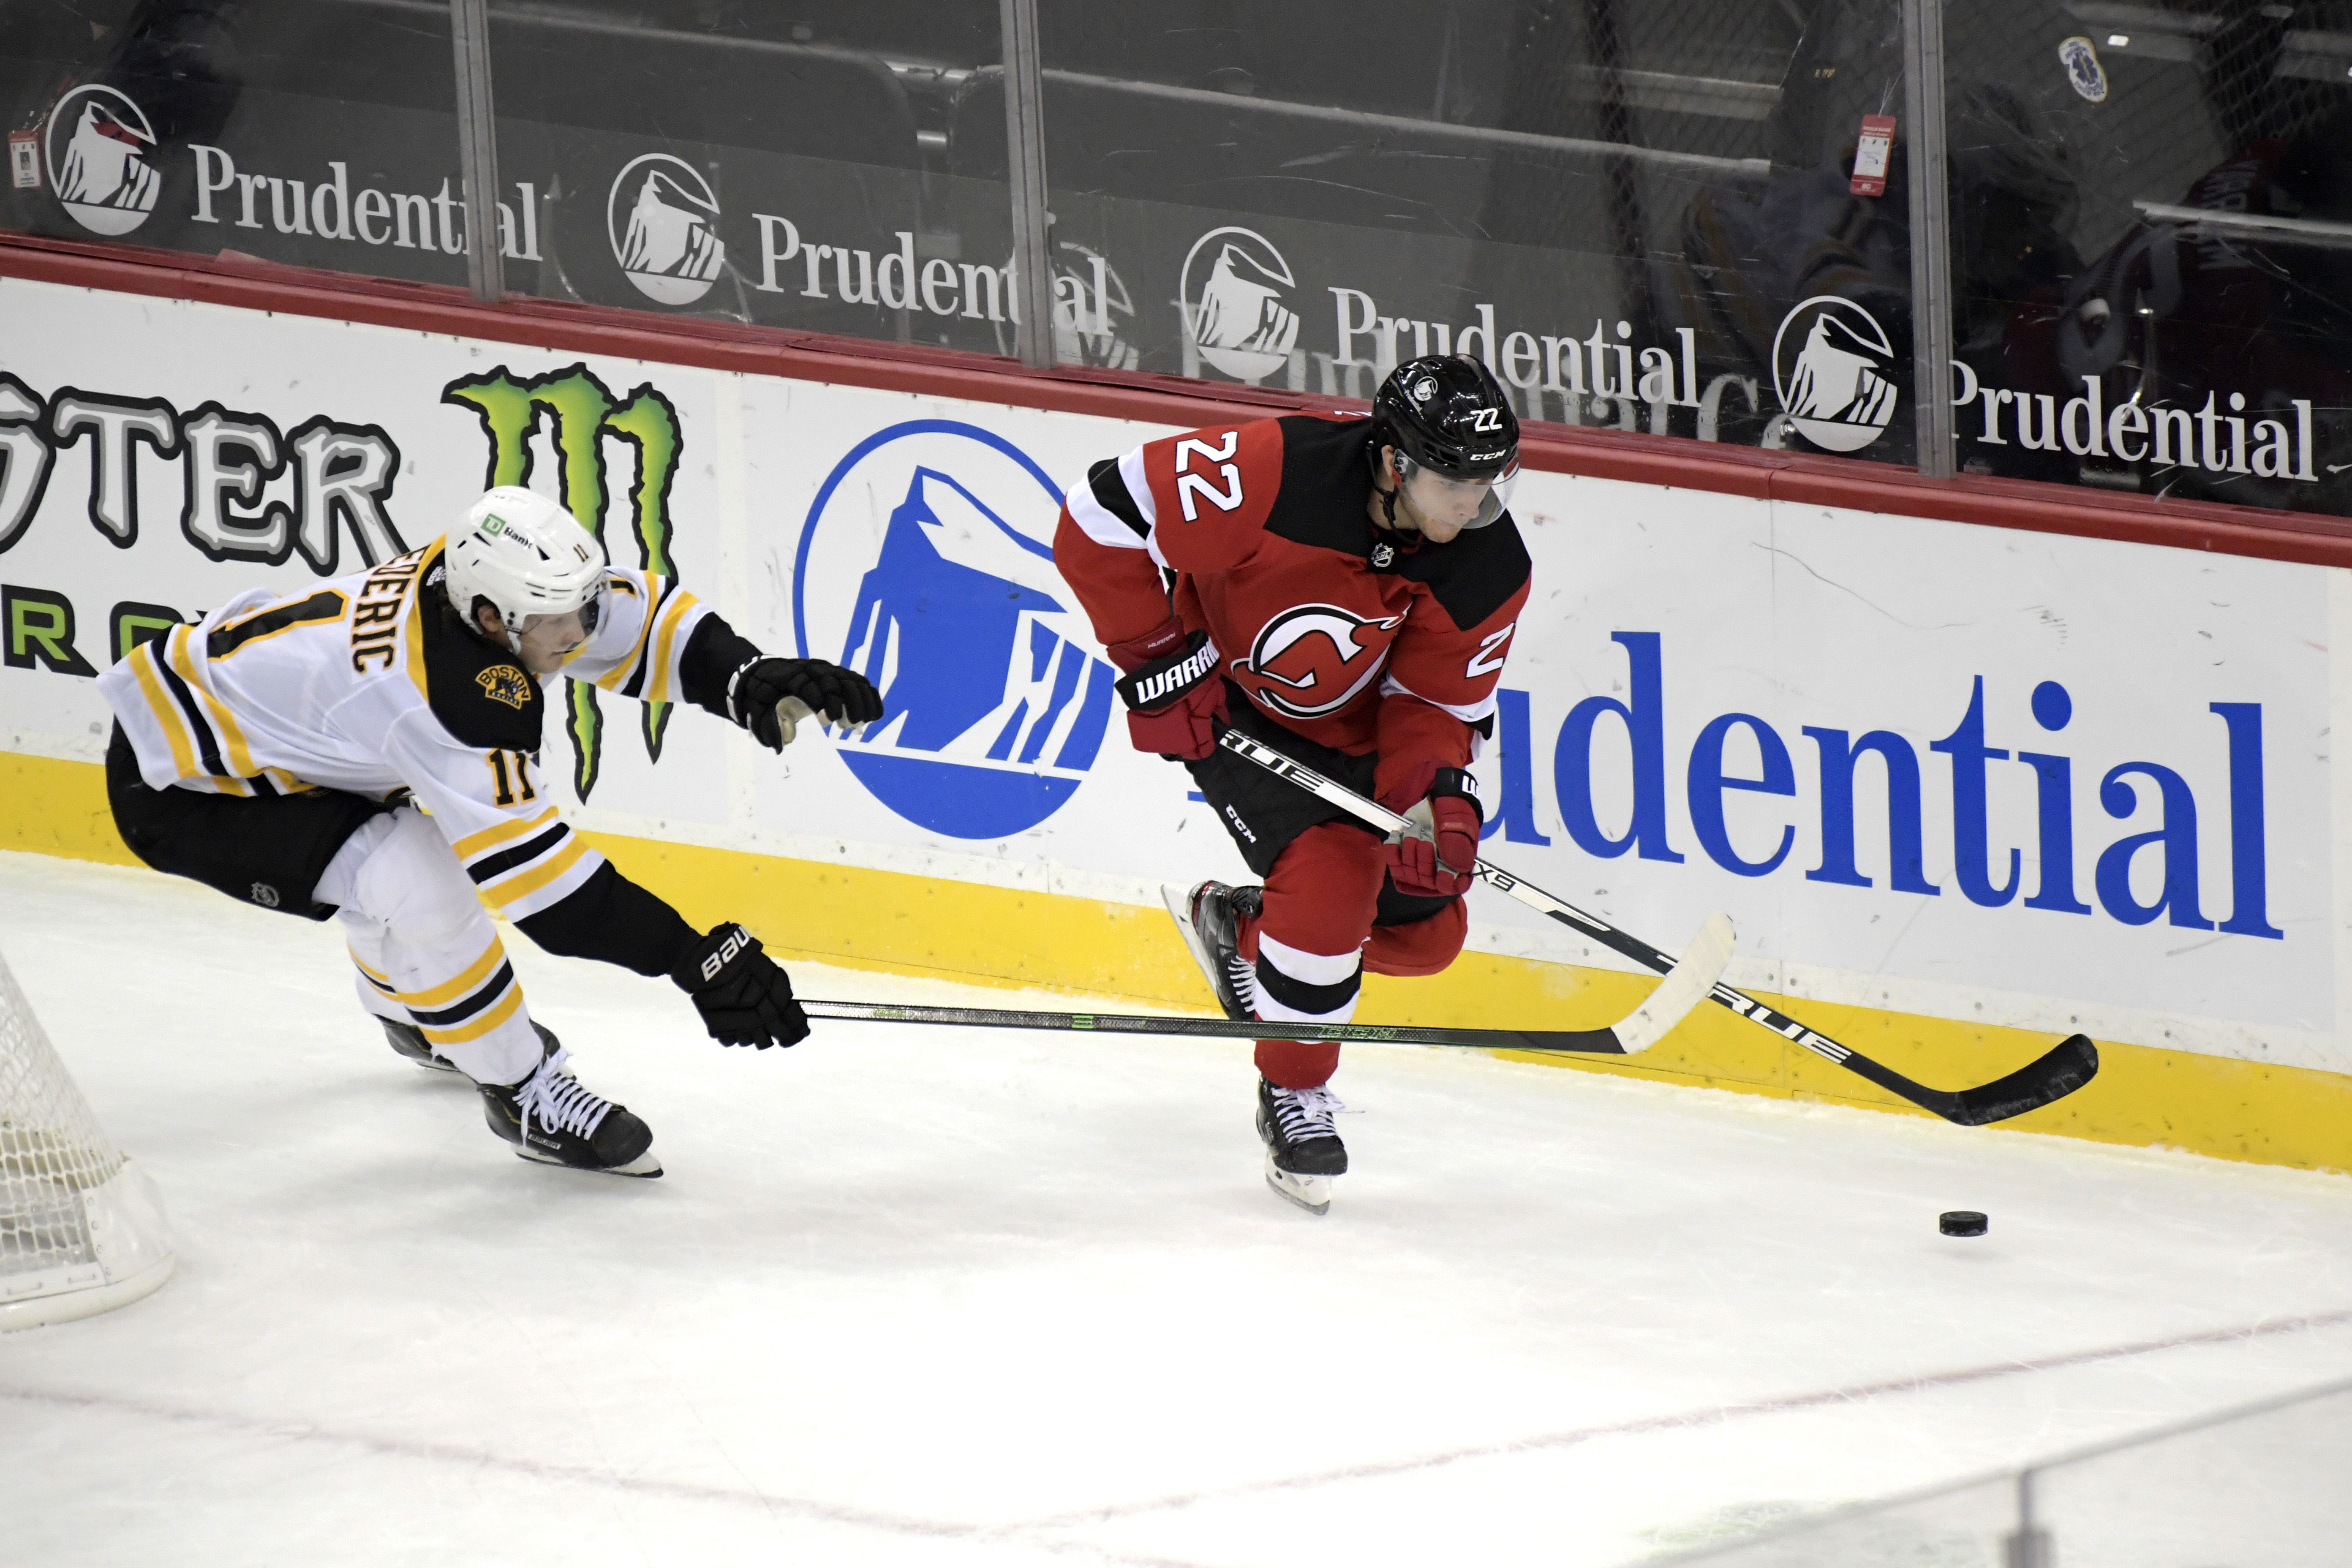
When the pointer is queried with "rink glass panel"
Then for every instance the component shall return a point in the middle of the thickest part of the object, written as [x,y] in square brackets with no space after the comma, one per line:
[312,133]
[2152,206]
[2258,1484]
[779,164]
[1618,205]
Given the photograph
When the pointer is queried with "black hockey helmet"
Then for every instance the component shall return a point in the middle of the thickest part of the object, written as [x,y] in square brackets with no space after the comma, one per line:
[1447,414]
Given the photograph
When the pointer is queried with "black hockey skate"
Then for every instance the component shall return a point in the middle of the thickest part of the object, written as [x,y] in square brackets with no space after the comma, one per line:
[1210,914]
[410,1042]
[553,1118]
[1303,1150]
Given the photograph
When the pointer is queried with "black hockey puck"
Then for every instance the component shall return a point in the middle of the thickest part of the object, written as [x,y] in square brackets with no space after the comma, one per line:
[1961,1222]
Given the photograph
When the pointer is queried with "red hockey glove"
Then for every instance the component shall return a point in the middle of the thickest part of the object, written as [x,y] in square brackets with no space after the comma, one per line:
[1445,802]
[1174,692]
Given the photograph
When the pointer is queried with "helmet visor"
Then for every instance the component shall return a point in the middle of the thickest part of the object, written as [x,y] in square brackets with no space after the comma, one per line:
[588,614]
[1467,503]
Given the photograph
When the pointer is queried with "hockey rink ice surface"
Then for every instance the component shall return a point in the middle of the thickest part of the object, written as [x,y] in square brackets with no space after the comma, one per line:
[930,1296]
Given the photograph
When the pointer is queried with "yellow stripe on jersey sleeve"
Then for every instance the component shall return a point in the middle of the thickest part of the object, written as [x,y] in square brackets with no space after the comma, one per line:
[611,679]
[167,713]
[240,756]
[520,885]
[490,838]
[657,688]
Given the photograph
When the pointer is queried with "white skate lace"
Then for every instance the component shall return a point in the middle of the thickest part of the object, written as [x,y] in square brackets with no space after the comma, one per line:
[1243,974]
[562,1103]
[1305,1113]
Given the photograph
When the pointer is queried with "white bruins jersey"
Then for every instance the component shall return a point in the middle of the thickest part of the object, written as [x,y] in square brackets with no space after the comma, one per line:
[353,684]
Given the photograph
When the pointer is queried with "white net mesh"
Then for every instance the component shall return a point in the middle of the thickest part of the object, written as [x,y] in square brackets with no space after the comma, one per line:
[79,1230]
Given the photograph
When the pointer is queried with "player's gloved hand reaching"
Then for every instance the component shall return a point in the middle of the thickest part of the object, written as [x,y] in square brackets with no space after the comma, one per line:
[1445,802]
[769,696]
[1174,692]
[743,995]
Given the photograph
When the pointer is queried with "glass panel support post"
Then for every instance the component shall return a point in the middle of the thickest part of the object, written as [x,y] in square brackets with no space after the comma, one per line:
[1931,228]
[1025,136]
[478,148]
[2030,1546]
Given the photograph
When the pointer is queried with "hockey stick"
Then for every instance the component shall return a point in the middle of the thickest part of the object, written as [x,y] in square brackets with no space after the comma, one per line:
[2058,1072]
[1587,1041]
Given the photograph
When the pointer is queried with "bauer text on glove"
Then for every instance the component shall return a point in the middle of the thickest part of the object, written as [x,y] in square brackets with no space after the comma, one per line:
[743,997]
[1174,692]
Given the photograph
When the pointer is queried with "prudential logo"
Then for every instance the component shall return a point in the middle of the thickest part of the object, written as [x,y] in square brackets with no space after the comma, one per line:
[1831,363]
[994,709]
[101,152]
[662,221]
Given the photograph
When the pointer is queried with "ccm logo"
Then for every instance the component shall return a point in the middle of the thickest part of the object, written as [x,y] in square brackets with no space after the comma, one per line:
[737,941]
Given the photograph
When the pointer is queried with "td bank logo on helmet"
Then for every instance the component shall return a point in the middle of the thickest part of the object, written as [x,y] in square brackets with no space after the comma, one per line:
[1831,365]
[101,152]
[1313,659]
[663,223]
[1240,312]
[930,545]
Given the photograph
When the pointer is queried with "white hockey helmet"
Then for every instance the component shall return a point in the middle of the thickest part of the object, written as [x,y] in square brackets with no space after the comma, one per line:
[528,557]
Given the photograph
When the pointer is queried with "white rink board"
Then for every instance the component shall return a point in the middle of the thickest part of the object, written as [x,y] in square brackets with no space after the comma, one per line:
[781,510]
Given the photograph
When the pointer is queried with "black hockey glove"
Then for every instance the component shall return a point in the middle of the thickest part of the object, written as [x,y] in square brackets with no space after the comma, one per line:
[743,995]
[769,696]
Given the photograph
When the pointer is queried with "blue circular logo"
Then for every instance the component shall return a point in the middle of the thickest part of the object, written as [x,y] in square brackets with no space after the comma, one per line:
[994,707]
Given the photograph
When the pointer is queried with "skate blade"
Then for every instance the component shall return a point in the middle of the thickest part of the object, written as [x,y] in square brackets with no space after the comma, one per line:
[644,1165]
[1312,1193]
[1178,897]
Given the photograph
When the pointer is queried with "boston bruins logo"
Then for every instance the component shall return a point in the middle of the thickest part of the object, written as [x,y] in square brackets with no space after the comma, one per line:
[505,683]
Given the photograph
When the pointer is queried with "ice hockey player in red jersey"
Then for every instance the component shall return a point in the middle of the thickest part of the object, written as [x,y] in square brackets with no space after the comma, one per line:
[364,749]
[1345,591]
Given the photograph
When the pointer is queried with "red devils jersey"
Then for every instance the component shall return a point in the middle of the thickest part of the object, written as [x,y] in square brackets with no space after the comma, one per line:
[1353,637]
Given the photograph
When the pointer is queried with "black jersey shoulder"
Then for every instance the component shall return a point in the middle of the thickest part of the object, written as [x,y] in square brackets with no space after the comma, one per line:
[1475,574]
[1326,484]
[481,694]
[1325,500]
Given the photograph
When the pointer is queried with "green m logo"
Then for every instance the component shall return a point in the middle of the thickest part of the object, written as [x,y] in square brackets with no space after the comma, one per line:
[584,414]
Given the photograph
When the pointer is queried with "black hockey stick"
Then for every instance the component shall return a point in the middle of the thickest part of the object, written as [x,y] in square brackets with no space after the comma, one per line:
[1587,1041]
[2059,1072]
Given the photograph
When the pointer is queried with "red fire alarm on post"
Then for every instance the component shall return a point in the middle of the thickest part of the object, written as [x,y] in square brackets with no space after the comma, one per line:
[1871,153]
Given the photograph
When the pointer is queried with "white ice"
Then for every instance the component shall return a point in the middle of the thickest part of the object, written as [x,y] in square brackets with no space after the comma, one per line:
[921,1297]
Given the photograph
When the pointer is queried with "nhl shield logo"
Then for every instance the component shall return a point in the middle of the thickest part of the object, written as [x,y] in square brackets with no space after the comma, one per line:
[1237,300]
[101,152]
[662,221]
[995,703]
[1831,365]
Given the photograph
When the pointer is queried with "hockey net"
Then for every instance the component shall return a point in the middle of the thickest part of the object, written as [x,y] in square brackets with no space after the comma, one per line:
[81,1230]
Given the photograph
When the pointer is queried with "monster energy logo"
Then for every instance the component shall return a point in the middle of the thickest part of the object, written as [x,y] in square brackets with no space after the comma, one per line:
[584,412]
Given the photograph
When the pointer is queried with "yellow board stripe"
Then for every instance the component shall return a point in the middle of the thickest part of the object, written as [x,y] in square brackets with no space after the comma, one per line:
[474,1029]
[611,679]
[183,751]
[473,844]
[524,883]
[657,688]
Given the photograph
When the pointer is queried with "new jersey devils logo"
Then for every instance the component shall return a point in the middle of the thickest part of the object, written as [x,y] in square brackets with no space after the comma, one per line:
[1313,659]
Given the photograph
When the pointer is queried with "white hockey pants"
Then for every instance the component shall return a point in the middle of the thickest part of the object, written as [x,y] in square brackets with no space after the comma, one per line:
[427,952]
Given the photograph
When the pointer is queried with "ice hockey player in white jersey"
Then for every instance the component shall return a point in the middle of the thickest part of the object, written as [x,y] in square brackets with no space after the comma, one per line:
[366,750]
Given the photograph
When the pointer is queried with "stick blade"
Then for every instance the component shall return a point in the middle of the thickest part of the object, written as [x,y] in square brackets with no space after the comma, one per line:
[2065,1068]
[1685,986]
